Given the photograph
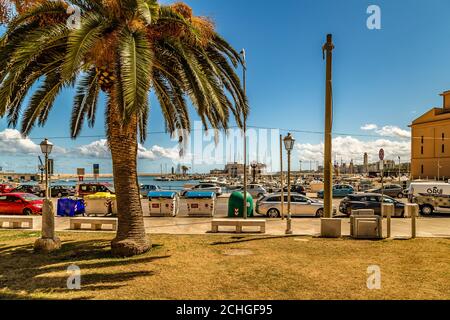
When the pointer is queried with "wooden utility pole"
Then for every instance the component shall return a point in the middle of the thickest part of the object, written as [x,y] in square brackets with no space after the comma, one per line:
[244,80]
[281,177]
[328,175]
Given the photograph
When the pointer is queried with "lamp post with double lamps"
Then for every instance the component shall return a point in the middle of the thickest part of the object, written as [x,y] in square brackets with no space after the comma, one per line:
[244,81]
[289,145]
[48,241]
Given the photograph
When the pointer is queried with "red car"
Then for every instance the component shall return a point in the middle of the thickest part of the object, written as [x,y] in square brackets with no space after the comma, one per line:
[20,203]
[5,188]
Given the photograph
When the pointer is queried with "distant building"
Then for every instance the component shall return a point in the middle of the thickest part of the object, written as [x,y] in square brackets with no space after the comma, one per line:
[430,142]
[18,177]
[234,169]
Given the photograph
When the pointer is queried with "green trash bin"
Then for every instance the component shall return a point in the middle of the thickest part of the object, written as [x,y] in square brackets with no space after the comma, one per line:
[235,205]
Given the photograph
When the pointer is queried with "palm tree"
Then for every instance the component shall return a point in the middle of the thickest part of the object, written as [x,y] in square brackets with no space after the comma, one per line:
[185,169]
[127,49]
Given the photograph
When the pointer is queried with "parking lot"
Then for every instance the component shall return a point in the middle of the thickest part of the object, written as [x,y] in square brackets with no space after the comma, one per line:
[434,226]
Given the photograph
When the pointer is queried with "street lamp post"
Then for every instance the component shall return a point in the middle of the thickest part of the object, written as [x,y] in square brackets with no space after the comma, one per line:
[254,166]
[46,149]
[48,241]
[289,145]
[399,170]
[244,80]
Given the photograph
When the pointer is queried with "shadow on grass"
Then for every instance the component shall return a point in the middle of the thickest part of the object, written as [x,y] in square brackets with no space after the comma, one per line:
[241,239]
[22,270]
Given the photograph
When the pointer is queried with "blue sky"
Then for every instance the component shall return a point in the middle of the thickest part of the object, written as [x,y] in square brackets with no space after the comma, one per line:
[382,77]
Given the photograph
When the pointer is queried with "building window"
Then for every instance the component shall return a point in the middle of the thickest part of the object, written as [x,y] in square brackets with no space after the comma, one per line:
[443,136]
[421,150]
[421,169]
[422,139]
[443,148]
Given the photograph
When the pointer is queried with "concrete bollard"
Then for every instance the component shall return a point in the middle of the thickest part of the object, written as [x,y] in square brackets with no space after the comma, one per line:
[388,210]
[412,210]
[330,227]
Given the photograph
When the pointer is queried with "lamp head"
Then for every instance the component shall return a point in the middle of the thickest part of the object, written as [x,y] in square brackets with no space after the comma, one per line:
[289,142]
[46,147]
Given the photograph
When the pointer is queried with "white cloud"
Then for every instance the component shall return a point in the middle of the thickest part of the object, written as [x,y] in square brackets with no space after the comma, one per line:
[369,127]
[12,142]
[347,148]
[96,149]
[100,149]
[387,131]
[393,131]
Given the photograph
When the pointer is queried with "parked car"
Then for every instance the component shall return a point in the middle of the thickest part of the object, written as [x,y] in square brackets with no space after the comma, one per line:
[339,190]
[205,187]
[146,188]
[296,189]
[58,192]
[270,206]
[5,188]
[85,189]
[428,188]
[428,203]
[392,190]
[369,201]
[20,203]
[256,190]
[27,188]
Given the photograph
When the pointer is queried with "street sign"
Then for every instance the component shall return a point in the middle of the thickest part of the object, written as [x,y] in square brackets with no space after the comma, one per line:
[80,174]
[381,154]
[96,168]
[50,167]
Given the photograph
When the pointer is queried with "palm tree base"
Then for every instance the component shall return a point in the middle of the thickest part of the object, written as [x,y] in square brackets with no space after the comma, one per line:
[129,247]
[47,244]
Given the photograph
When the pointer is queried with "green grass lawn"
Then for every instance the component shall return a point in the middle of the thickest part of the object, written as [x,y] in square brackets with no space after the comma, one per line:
[226,267]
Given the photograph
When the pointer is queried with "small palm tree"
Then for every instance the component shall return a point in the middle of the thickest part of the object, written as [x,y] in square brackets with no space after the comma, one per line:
[127,49]
[185,169]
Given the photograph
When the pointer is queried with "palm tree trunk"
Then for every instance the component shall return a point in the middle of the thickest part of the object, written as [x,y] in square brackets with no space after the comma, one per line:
[131,238]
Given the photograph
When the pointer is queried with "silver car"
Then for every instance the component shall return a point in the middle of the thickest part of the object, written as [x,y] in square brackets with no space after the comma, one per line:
[300,206]
[213,187]
[256,190]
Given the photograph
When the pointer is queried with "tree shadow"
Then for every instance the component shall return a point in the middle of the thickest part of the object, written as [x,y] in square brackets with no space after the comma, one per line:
[241,239]
[26,272]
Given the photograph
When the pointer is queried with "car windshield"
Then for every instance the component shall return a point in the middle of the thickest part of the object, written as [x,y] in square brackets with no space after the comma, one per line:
[30,197]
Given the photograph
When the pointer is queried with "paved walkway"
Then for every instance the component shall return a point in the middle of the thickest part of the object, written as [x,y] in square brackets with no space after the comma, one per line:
[426,227]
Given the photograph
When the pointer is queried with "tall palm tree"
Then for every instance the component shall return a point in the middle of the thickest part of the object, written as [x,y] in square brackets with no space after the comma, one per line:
[127,49]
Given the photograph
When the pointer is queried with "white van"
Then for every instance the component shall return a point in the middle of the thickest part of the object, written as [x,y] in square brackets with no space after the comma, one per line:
[428,188]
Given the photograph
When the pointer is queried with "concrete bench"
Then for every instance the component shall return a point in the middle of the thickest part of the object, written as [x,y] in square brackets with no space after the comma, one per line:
[238,224]
[16,222]
[96,223]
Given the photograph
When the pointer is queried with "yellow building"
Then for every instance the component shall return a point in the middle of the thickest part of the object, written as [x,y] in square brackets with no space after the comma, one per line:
[430,143]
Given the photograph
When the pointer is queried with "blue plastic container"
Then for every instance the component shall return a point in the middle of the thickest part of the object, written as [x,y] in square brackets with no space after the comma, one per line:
[70,207]
[200,195]
[162,194]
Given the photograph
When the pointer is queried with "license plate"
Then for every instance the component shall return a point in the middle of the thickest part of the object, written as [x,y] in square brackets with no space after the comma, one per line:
[194,206]
[155,205]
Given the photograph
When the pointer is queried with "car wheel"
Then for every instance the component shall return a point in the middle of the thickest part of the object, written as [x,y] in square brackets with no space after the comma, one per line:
[273,213]
[400,195]
[319,213]
[427,210]
[27,212]
[59,195]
